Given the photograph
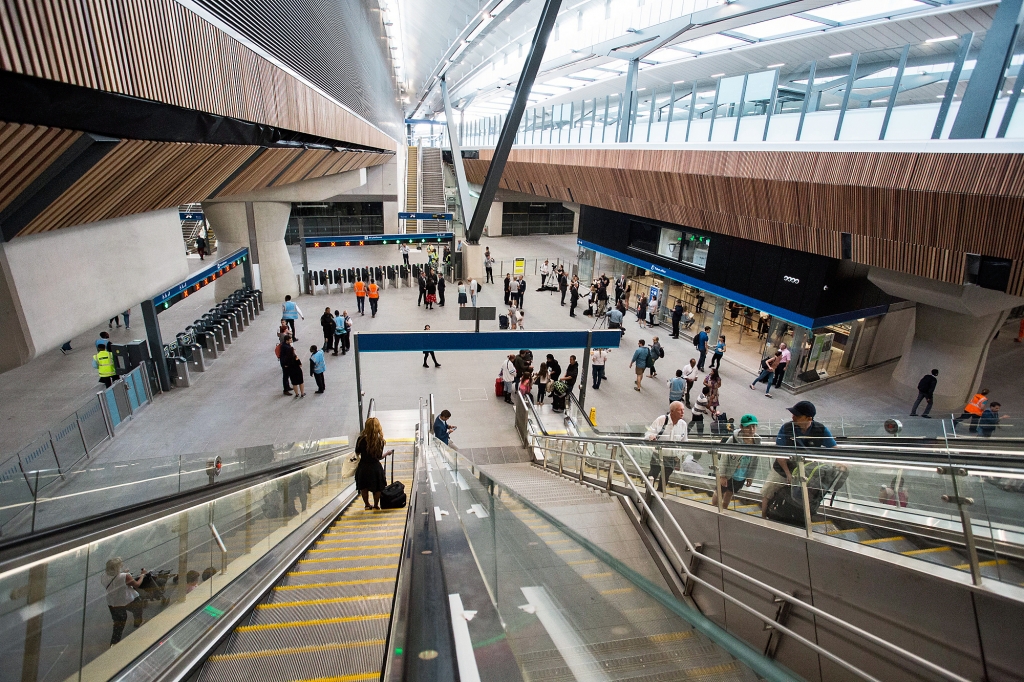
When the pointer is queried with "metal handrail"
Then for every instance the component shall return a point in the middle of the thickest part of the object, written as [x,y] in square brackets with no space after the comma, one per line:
[778,594]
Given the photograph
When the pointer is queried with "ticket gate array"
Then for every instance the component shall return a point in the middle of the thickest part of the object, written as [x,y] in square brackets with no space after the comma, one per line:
[206,338]
[340,280]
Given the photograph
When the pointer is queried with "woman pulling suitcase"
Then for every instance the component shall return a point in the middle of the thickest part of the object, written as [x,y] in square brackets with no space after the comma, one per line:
[370,476]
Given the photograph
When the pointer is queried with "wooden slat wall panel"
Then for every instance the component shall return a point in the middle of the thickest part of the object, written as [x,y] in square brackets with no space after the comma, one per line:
[300,169]
[918,213]
[25,152]
[159,50]
[261,172]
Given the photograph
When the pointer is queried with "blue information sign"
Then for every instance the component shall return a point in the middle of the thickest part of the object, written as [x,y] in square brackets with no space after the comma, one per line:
[190,216]
[200,279]
[425,216]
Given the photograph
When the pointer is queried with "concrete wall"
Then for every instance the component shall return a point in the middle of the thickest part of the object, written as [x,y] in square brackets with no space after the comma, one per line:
[494,219]
[59,284]
[895,331]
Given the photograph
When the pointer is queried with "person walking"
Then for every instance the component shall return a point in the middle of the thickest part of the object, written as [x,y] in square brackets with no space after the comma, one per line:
[360,289]
[329,327]
[540,380]
[125,315]
[641,356]
[657,352]
[572,373]
[115,320]
[289,313]
[508,289]
[574,297]
[700,342]
[103,363]
[431,298]
[677,316]
[737,471]
[598,358]
[442,429]
[286,356]
[488,266]
[641,311]
[422,281]
[767,375]
[671,427]
[373,293]
[201,247]
[780,369]
[974,409]
[429,352]
[925,391]
[989,420]
[620,286]
[462,294]
[474,289]
[122,597]
[441,284]
[317,367]
[716,358]
[522,291]
[700,301]
[404,249]
[339,331]
[295,373]
[563,285]
[690,375]
[554,369]
[652,311]
[677,388]
[370,476]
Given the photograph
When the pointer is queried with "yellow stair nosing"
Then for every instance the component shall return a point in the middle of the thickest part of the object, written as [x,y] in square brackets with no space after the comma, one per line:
[617,590]
[352,558]
[307,623]
[347,569]
[351,549]
[336,583]
[982,564]
[927,550]
[878,541]
[314,602]
[355,677]
[268,653]
[839,531]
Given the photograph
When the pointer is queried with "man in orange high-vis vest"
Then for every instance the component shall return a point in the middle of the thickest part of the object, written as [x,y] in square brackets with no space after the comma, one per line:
[974,409]
[374,295]
[360,294]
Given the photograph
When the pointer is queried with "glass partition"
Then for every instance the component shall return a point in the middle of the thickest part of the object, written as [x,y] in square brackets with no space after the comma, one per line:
[74,616]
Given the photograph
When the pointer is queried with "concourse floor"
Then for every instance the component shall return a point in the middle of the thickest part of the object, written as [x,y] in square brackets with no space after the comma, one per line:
[239,402]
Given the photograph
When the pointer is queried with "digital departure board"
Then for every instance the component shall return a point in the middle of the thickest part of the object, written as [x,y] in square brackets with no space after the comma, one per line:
[200,279]
[374,239]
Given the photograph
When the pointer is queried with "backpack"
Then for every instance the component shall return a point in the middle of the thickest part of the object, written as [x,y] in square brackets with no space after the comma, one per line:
[661,352]
[502,321]
[277,351]
[786,504]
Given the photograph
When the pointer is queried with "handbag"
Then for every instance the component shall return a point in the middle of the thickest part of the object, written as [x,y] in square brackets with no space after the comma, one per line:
[348,468]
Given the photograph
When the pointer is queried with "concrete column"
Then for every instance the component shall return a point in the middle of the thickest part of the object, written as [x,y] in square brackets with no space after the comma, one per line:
[953,343]
[716,320]
[953,328]
[473,261]
[391,217]
[277,276]
[494,220]
[575,208]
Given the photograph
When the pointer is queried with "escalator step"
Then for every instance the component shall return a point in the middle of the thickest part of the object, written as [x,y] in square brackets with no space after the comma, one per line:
[266,653]
[335,583]
[311,622]
[382,565]
[882,541]
[314,602]
[335,550]
[359,557]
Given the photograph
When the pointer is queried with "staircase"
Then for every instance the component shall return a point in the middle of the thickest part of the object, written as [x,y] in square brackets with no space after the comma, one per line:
[190,228]
[412,197]
[432,198]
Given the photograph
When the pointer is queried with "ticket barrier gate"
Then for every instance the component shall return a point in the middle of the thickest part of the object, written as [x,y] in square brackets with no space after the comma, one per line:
[177,367]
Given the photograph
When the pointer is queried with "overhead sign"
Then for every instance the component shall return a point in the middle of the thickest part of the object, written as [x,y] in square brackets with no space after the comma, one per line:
[190,216]
[426,216]
[519,266]
[200,279]
[390,342]
[373,239]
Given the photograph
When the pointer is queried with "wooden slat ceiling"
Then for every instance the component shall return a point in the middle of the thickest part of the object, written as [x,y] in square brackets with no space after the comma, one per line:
[25,152]
[137,176]
[915,213]
[161,51]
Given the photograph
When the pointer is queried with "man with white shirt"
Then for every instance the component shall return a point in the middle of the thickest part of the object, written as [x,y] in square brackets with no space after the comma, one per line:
[668,427]
[780,369]
[598,357]
[691,374]
[473,291]
[545,270]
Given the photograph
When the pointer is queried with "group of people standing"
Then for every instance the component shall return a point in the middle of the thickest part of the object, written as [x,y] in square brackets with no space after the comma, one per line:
[337,330]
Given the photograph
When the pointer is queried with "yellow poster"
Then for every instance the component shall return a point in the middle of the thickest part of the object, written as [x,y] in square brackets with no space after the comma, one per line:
[519,266]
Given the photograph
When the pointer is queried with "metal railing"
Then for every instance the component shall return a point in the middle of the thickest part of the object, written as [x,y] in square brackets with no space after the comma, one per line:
[642,501]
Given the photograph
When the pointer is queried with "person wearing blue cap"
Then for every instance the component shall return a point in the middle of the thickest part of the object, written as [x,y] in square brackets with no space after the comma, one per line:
[800,432]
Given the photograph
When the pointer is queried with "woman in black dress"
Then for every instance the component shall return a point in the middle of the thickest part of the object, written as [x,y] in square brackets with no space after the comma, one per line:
[370,477]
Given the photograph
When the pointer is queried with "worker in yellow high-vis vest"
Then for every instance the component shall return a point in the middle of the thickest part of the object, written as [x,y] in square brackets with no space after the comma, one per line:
[103,363]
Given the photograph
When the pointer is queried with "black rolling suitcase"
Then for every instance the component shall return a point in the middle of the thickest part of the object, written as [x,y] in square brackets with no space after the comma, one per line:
[393,496]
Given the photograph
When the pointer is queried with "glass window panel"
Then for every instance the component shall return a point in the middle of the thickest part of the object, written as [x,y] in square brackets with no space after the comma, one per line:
[860,9]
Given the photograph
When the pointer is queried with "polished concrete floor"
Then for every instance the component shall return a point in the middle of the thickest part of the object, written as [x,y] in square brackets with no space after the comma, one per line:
[239,401]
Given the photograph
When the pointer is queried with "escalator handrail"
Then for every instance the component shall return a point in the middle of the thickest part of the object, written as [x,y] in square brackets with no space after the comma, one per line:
[22,549]
[648,513]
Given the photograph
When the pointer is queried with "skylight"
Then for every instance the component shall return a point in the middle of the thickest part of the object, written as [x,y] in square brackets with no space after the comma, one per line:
[777,27]
[712,43]
[667,54]
[861,9]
